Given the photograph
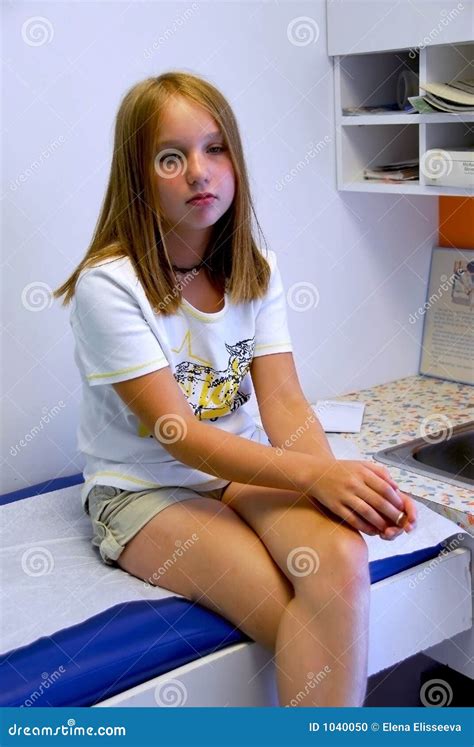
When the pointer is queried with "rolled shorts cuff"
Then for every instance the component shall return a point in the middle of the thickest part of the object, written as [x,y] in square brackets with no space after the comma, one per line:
[118,515]
[109,548]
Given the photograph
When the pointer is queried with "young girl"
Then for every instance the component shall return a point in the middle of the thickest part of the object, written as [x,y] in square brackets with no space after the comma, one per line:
[174,308]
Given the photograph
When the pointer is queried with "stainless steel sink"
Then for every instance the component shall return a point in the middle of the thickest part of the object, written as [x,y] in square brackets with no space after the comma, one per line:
[449,460]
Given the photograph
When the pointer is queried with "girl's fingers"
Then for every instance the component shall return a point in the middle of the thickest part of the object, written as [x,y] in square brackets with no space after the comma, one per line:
[384,490]
[410,510]
[383,508]
[356,522]
[377,506]
[361,506]
[383,473]
[395,530]
[407,504]
[390,533]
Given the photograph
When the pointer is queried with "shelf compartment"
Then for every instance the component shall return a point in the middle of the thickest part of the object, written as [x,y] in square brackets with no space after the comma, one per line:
[372,79]
[446,62]
[443,137]
[363,147]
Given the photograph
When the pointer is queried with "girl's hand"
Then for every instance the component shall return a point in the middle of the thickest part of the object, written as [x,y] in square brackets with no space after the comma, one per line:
[364,495]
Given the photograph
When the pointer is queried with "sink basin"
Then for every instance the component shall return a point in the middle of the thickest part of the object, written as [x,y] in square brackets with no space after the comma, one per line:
[450,460]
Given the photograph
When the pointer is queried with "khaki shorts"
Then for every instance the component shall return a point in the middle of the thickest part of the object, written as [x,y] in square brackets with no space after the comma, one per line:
[117,515]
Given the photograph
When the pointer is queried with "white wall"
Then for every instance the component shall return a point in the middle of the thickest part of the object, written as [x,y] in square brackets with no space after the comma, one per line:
[365,256]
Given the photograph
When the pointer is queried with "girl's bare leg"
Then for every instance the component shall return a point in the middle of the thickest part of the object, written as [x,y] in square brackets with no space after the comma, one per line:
[321,648]
[321,645]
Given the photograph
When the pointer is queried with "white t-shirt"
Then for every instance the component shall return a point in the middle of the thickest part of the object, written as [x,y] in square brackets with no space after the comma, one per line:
[118,336]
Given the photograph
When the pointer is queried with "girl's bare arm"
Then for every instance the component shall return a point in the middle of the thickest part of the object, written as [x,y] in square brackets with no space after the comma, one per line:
[347,488]
[159,403]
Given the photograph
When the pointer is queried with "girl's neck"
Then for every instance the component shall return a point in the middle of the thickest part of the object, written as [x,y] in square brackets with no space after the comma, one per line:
[187,248]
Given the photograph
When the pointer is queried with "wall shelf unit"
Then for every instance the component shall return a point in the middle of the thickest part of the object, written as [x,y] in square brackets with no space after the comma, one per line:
[368,140]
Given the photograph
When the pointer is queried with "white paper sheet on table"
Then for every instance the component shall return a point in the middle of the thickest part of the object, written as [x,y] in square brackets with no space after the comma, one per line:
[431,529]
[52,576]
[339,417]
[344,448]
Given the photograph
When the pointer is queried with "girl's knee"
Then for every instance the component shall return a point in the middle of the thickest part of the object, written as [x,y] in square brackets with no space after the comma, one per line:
[339,568]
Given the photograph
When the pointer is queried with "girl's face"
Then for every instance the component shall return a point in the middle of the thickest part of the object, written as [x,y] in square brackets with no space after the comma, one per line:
[192,158]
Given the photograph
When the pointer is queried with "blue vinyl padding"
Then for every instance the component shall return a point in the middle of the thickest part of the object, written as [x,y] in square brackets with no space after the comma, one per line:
[380,569]
[113,651]
[129,643]
[47,486]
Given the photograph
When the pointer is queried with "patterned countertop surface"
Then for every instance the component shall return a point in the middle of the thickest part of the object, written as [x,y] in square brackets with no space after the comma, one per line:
[404,409]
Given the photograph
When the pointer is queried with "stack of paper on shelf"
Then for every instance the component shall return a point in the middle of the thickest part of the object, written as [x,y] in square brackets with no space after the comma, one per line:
[380,109]
[395,171]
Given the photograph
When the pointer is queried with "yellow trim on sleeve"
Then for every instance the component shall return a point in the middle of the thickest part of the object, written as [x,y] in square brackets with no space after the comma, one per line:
[125,370]
[273,345]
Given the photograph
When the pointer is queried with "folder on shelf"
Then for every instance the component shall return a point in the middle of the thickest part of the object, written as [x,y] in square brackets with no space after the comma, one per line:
[449,92]
[456,96]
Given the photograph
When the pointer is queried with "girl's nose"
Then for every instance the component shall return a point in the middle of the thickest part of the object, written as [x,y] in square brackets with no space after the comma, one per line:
[197,168]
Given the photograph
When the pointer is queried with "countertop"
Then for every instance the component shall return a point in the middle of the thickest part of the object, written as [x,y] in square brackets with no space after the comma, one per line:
[394,413]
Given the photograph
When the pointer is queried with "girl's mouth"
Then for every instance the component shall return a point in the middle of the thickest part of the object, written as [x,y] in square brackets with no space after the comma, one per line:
[201,201]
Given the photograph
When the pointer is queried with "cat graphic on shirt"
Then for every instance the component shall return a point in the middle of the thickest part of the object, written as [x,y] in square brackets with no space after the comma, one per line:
[213,393]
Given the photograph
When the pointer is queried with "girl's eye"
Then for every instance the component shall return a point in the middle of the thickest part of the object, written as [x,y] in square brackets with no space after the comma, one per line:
[170,157]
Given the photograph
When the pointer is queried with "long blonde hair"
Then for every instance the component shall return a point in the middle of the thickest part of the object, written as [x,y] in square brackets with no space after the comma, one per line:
[130,223]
